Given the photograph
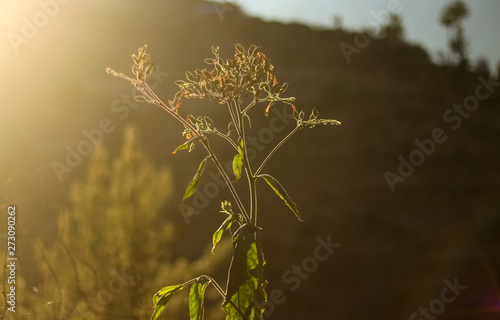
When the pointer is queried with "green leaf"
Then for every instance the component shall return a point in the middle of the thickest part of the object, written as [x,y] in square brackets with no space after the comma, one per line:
[140,99]
[239,48]
[149,69]
[194,183]
[209,122]
[301,114]
[226,207]
[191,119]
[135,70]
[161,298]
[190,76]
[196,300]
[231,217]
[219,68]
[276,88]
[314,114]
[238,160]
[219,233]
[280,191]
[215,51]
[188,144]
[253,50]
[283,87]
[246,297]
[137,60]
[237,164]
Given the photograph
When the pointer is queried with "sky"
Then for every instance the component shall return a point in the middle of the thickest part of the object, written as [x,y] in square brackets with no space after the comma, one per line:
[420,19]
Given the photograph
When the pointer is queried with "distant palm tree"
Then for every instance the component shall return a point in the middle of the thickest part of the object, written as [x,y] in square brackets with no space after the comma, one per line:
[451,18]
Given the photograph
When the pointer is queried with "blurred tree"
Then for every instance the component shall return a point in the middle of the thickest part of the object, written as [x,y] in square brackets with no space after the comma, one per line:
[482,67]
[337,22]
[394,28]
[451,18]
[113,253]
[440,57]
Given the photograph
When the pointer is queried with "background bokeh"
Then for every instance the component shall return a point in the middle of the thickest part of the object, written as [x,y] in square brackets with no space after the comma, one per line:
[397,248]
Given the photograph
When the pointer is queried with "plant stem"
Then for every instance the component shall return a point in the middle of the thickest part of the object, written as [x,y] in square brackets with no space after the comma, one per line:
[234,112]
[276,149]
[250,176]
[216,285]
[253,200]
[225,137]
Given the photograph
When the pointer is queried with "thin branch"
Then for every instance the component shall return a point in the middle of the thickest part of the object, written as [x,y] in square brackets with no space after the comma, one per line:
[226,137]
[253,103]
[276,149]
[216,285]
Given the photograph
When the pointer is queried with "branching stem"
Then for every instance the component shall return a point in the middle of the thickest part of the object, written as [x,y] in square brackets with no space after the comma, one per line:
[157,101]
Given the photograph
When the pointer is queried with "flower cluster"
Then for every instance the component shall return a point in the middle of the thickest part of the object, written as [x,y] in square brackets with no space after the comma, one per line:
[248,72]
